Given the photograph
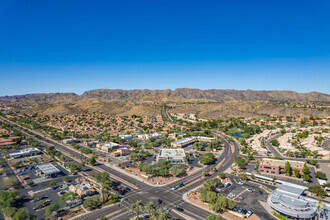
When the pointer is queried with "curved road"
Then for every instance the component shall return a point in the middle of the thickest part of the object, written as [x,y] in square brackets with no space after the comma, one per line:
[146,192]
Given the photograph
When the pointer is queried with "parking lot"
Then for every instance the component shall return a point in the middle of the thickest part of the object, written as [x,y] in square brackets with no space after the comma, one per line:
[249,200]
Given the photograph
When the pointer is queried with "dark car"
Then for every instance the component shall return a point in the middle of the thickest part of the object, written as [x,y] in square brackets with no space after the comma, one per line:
[181,185]
[244,211]
[236,208]
[128,189]
[160,201]
[43,197]
[179,208]
[36,200]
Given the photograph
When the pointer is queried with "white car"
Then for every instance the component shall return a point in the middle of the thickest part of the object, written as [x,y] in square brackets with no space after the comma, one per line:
[249,190]
[174,188]
[249,213]
[240,183]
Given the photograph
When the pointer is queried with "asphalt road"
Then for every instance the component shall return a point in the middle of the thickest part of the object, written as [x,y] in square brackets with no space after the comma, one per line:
[271,148]
[147,193]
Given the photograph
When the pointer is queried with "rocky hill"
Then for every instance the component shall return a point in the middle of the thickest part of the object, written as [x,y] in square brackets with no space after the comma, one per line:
[177,95]
[212,103]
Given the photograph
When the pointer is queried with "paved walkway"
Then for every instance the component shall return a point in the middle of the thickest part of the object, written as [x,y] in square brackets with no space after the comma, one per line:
[325,169]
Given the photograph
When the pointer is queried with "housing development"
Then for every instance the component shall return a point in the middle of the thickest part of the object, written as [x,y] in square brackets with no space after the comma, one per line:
[97,166]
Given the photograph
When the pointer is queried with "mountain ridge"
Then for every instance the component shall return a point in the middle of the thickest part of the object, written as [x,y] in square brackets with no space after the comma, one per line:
[137,95]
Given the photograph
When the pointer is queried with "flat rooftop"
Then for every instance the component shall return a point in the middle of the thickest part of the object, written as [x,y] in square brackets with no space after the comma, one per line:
[171,153]
[274,162]
[48,168]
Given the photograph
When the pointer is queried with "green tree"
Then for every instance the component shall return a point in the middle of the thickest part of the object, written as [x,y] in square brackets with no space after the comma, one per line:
[177,170]
[92,160]
[321,175]
[150,208]
[318,190]
[243,176]
[222,175]
[51,208]
[69,196]
[136,207]
[207,158]
[306,177]
[215,144]
[240,161]
[297,173]
[305,169]
[163,214]
[91,202]
[72,166]
[21,214]
[12,181]
[52,183]
[288,168]
[275,142]
[33,216]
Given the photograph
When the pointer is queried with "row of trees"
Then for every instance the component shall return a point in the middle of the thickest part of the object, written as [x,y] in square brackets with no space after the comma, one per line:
[163,168]
[216,201]
[8,200]
[150,209]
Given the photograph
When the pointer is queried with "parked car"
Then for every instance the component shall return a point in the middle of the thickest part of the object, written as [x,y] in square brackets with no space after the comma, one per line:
[231,195]
[249,213]
[179,208]
[43,197]
[36,200]
[62,192]
[249,190]
[240,183]
[218,189]
[227,184]
[36,207]
[167,209]
[236,208]
[181,185]
[174,188]
[240,210]
[244,211]
[160,201]
[48,200]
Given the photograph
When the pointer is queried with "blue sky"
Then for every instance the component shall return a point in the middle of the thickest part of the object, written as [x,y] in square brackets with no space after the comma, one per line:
[74,46]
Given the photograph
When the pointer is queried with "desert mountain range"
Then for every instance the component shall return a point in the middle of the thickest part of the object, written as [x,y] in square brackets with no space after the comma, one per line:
[211,103]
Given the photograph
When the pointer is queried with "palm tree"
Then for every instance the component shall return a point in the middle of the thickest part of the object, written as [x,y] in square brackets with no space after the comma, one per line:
[320,206]
[136,207]
[150,208]
[163,214]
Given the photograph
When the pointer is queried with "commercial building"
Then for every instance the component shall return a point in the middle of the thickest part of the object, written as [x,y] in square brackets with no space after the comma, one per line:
[148,136]
[126,137]
[70,141]
[27,152]
[107,147]
[91,144]
[175,135]
[290,201]
[172,155]
[187,141]
[82,189]
[273,166]
[121,152]
[48,170]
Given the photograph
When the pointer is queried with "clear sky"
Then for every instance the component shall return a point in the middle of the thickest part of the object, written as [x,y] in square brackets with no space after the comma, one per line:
[74,46]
